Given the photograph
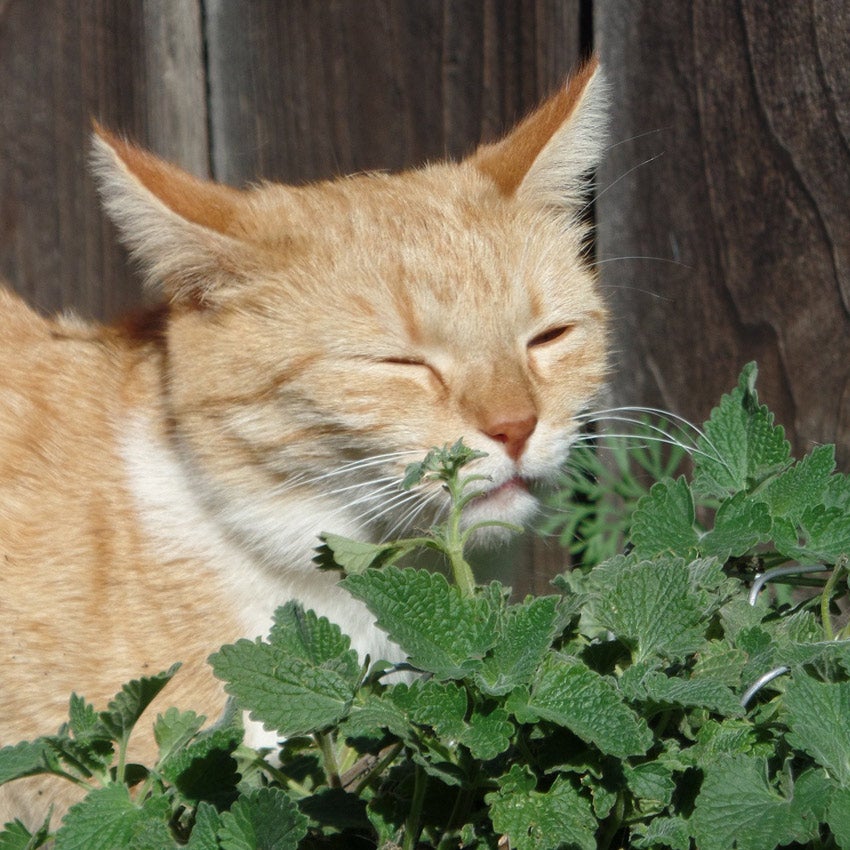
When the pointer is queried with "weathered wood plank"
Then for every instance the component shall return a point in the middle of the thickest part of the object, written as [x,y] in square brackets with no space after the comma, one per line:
[133,65]
[745,107]
[316,89]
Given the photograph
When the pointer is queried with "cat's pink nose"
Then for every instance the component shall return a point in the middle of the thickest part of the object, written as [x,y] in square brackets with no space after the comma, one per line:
[513,433]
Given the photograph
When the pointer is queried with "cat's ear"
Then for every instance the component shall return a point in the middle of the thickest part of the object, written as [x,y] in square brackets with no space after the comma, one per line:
[549,155]
[180,228]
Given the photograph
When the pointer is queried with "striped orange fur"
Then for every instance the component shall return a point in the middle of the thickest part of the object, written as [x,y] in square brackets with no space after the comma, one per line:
[163,480]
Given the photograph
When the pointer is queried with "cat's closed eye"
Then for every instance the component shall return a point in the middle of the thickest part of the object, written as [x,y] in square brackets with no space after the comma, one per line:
[551,335]
[414,363]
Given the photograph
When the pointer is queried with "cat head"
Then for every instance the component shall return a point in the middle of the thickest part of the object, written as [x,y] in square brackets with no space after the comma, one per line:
[319,338]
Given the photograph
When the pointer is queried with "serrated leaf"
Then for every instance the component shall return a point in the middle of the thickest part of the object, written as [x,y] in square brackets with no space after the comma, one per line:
[663,521]
[740,447]
[569,693]
[265,819]
[131,701]
[15,836]
[651,781]
[174,730]
[740,524]
[440,705]
[26,759]
[307,636]
[822,534]
[819,719]
[107,819]
[205,769]
[662,832]
[738,808]
[801,486]
[84,720]
[731,736]
[690,693]
[284,693]
[838,817]
[488,733]
[812,792]
[651,606]
[720,662]
[355,556]
[525,635]
[83,757]
[205,830]
[443,632]
[376,714]
[533,820]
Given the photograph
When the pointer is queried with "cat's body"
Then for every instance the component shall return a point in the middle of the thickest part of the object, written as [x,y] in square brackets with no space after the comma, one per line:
[163,481]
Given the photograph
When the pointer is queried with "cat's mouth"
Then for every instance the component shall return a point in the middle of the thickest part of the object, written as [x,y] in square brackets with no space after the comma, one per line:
[506,489]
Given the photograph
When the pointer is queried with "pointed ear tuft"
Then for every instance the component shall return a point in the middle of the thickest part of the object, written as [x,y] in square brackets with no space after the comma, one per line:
[548,156]
[181,228]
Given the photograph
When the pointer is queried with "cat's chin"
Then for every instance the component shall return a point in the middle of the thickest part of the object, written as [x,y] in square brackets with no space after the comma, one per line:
[510,502]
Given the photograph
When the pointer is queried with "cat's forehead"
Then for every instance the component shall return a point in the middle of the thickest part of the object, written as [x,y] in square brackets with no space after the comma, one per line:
[441,237]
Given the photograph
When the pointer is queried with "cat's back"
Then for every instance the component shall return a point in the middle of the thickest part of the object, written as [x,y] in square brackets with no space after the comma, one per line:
[59,389]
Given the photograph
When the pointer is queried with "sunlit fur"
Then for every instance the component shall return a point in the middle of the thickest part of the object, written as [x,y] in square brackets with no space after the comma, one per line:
[163,481]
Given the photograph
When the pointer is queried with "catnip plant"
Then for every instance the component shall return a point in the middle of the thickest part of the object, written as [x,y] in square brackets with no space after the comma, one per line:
[675,695]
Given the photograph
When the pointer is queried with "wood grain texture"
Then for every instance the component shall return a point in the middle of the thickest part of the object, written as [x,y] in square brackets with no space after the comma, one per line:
[302,91]
[63,62]
[731,170]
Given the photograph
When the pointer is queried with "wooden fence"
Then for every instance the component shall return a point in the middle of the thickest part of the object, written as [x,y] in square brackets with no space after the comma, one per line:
[723,212]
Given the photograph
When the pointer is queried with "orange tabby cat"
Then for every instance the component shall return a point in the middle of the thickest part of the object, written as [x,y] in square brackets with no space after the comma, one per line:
[163,481]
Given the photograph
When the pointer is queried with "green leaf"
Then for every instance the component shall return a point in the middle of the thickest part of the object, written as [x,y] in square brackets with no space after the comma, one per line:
[662,832]
[738,808]
[107,819]
[823,534]
[205,769]
[205,830]
[265,819]
[174,730]
[308,637]
[558,818]
[84,720]
[651,781]
[26,759]
[443,632]
[356,557]
[838,817]
[86,757]
[719,662]
[651,605]
[126,708]
[440,464]
[284,693]
[819,718]
[374,715]
[15,836]
[739,525]
[740,447]
[690,693]
[802,486]
[663,522]
[488,733]
[440,705]
[525,635]
[569,693]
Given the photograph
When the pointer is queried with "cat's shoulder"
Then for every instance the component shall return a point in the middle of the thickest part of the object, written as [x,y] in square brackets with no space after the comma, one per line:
[21,325]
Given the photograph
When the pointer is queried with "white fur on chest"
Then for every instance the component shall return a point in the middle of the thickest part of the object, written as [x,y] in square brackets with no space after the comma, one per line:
[179,527]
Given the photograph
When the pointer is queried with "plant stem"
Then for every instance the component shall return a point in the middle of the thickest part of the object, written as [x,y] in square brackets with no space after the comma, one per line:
[412,825]
[454,541]
[329,762]
[826,596]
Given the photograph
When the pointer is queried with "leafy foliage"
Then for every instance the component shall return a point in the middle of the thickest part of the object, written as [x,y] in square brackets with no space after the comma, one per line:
[664,698]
